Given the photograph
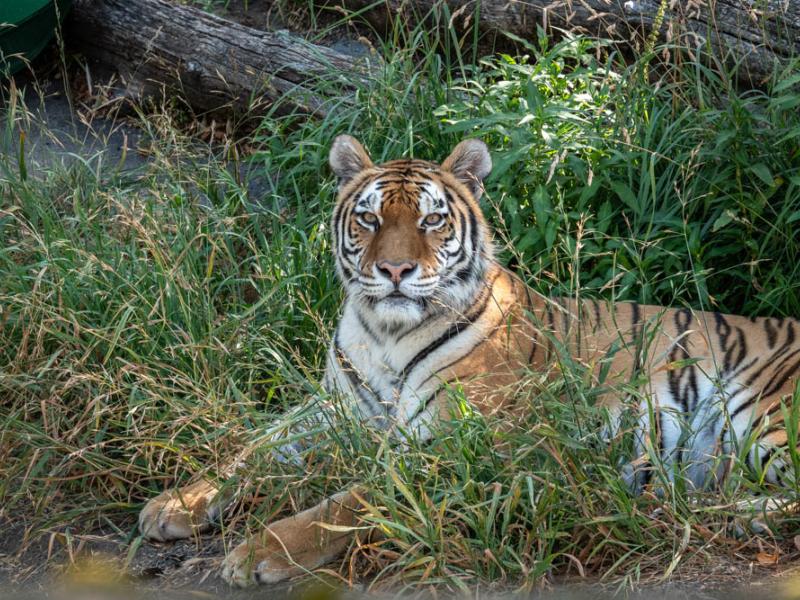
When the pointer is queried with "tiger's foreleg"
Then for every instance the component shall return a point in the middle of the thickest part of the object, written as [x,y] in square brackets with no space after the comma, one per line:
[310,539]
[192,509]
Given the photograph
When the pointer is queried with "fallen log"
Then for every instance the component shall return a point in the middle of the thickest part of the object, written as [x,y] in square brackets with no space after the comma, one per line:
[161,47]
[753,36]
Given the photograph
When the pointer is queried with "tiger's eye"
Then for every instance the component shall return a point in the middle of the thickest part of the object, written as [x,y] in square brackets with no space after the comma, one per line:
[433,219]
[369,218]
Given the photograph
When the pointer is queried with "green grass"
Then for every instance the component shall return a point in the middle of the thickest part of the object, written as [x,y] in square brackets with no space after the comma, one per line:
[152,324]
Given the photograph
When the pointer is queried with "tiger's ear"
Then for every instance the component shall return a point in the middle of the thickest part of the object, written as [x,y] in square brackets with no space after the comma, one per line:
[348,158]
[470,163]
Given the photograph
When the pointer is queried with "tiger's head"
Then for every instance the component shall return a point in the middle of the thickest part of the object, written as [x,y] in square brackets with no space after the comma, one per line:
[410,239]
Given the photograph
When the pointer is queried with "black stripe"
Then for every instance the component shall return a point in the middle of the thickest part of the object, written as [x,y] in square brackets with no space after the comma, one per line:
[341,229]
[731,416]
[648,474]
[636,316]
[357,385]
[383,182]
[776,368]
[461,251]
[772,333]
[551,322]
[596,306]
[448,197]
[347,199]
[348,273]
[681,394]
[659,427]
[423,407]
[417,327]
[366,326]
[741,342]
[787,374]
[741,370]
[454,330]
[464,273]
[743,406]
[637,330]
[790,339]
[447,366]
[392,330]
[724,330]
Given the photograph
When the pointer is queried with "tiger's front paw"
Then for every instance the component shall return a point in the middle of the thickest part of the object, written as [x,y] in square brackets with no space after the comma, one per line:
[179,514]
[286,549]
[296,544]
[253,562]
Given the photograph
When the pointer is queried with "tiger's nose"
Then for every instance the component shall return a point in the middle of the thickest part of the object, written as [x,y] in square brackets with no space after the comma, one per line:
[396,271]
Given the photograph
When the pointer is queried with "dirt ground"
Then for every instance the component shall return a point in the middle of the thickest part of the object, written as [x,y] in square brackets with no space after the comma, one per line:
[57,563]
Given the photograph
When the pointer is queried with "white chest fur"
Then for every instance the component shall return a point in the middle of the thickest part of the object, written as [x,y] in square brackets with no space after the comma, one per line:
[369,364]
[394,376]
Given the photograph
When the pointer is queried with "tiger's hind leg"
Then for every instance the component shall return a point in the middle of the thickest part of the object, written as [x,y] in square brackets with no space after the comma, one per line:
[754,515]
[770,461]
[657,434]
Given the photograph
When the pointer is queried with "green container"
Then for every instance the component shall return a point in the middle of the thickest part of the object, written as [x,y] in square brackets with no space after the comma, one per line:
[26,27]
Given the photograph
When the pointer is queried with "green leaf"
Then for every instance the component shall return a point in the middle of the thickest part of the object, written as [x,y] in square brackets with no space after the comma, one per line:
[626,195]
[542,207]
[588,192]
[787,83]
[550,234]
[722,220]
[763,173]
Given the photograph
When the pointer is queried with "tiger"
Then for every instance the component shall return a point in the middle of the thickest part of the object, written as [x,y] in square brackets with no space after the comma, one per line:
[427,305]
